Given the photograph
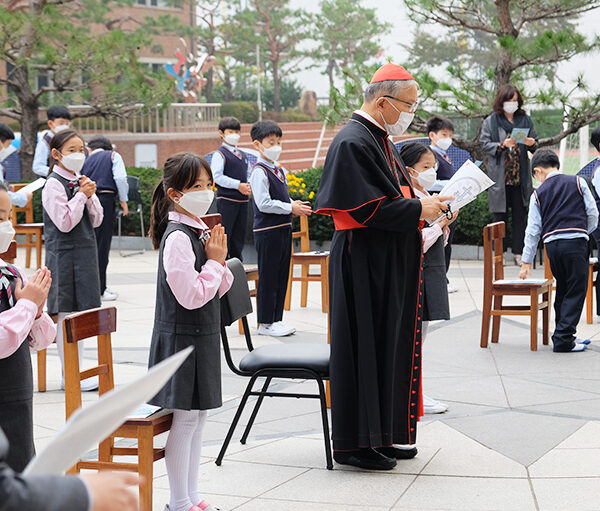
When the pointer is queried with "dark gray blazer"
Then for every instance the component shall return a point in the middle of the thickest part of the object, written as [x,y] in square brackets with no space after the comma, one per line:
[50,493]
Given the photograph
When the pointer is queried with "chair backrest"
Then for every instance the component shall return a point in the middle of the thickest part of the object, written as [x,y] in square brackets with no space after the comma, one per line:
[493,253]
[212,220]
[134,189]
[303,235]
[11,254]
[28,209]
[100,323]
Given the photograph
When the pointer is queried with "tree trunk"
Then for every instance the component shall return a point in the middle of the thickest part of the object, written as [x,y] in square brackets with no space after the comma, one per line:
[208,88]
[29,130]
[228,86]
[330,69]
[503,70]
[276,86]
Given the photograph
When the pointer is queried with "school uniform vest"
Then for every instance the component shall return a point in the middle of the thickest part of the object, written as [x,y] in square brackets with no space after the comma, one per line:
[235,167]
[445,168]
[590,183]
[197,383]
[278,190]
[562,206]
[98,167]
[435,286]
[72,257]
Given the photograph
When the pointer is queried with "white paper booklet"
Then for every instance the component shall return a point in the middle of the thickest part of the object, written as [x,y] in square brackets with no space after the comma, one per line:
[93,423]
[34,185]
[465,185]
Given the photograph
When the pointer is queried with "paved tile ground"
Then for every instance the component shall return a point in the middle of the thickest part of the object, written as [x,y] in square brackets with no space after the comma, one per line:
[522,432]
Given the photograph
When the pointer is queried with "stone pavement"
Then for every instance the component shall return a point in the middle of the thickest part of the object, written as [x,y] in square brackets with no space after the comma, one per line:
[522,432]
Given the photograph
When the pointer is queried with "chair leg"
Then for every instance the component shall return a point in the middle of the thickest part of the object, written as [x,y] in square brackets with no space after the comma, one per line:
[105,449]
[325,419]
[546,297]
[534,319]
[28,244]
[288,294]
[496,319]
[589,297]
[240,327]
[38,249]
[255,411]
[236,419]
[485,319]
[325,285]
[304,285]
[145,466]
[41,370]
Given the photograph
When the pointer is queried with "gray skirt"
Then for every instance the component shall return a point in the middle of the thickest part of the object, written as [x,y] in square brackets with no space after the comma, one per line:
[435,286]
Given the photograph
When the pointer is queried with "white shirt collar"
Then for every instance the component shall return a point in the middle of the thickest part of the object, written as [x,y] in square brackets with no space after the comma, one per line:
[553,173]
[368,117]
[175,216]
[65,173]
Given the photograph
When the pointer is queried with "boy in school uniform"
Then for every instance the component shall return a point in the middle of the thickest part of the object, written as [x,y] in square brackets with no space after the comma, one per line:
[106,168]
[8,155]
[59,119]
[563,212]
[594,181]
[273,211]
[440,131]
[231,170]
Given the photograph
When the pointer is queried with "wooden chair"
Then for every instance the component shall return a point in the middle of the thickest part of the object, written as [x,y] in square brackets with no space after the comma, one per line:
[494,291]
[589,295]
[305,258]
[102,323]
[33,231]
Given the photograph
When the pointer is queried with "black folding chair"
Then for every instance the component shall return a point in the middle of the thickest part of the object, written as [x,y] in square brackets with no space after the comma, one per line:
[135,197]
[287,361]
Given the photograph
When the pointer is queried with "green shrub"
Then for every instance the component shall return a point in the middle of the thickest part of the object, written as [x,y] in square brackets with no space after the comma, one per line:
[245,111]
[291,115]
[471,221]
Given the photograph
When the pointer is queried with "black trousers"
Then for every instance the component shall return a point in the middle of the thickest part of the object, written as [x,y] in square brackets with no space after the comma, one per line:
[274,247]
[104,234]
[234,217]
[514,202]
[596,236]
[569,264]
[448,247]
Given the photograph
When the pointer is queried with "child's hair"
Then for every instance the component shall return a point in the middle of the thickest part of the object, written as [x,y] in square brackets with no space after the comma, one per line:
[412,152]
[545,158]
[59,140]
[437,123]
[100,142]
[595,138]
[262,129]
[6,133]
[58,112]
[3,186]
[181,171]
[229,123]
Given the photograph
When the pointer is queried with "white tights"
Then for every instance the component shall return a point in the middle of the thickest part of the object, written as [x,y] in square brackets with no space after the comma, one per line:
[182,457]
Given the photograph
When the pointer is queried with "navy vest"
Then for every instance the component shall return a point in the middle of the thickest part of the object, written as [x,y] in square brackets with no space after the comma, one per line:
[98,167]
[278,190]
[591,184]
[562,206]
[445,168]
[236,168]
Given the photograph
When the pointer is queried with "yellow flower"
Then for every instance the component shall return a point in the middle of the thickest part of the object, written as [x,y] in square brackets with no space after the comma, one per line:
[303,185]
[311,195]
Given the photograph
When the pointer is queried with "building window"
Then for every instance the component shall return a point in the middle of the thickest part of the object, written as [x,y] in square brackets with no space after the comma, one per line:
[160,3]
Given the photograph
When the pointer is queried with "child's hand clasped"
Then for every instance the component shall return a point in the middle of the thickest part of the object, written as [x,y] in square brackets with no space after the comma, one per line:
[87,186]
[216,246]
[300,208]
[36,289]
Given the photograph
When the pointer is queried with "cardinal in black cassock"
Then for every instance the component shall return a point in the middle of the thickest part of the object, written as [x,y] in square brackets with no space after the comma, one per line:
[375,273]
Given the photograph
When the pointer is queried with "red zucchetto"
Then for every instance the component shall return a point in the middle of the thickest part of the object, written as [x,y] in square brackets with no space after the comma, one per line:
[391,71]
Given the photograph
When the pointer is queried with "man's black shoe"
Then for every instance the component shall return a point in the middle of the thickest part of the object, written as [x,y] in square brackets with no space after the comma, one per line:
[397,453]
[365,458]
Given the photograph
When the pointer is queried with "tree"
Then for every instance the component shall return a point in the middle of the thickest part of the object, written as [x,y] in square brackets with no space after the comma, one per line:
[347,35]
[499,42]
[85,52]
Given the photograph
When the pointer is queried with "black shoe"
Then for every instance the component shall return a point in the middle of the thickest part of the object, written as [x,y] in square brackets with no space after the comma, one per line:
[365,458]
[397,453]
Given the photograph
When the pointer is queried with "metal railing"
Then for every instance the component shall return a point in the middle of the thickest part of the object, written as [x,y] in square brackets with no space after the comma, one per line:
[174,118]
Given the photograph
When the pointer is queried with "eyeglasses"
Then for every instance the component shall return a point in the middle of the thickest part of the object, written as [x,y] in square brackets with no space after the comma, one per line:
[412,106]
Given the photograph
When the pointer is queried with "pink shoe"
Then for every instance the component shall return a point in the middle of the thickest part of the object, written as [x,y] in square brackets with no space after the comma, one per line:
[204,506]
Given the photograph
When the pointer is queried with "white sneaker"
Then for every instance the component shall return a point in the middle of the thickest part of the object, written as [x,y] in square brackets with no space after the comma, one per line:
[431,406]
[88,385]
[452,289]
[109,296]
[292,330]
[275,330]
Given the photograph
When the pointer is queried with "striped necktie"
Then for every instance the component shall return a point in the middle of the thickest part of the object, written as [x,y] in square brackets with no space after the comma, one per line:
[7,273]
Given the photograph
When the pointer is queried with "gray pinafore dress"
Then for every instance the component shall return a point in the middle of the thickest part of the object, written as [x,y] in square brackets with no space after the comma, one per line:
[16,392]
[72,257]
[197,383]
[435,285]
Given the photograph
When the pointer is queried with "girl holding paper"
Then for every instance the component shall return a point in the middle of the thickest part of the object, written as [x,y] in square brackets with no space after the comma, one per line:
[508,162]
[421,163]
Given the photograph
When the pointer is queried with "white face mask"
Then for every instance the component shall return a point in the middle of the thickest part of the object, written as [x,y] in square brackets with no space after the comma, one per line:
[73,162]
[198,202]
[427,178]
[444,143]
[7,233]
[272,153]
[232,139]
[401,125]
[61,127]
[510,107]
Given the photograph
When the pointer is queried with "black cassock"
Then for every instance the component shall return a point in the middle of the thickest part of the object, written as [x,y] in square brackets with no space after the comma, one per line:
[375,303]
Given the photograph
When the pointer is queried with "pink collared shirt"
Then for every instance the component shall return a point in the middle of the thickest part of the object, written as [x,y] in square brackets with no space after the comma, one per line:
[431,234]
[66,214]
[192,289]
[19,322]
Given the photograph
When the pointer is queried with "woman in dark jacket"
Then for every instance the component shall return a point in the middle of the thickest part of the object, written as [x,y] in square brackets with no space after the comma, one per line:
[508,162]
